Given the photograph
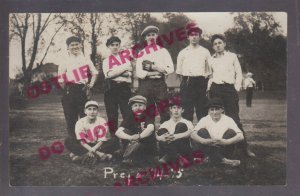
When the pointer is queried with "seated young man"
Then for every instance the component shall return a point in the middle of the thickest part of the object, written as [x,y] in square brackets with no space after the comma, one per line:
[174,135]
[91,134]
[137,132]
[217,133]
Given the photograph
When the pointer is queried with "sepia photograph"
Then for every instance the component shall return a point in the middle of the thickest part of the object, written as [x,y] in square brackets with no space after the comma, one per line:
[127,99]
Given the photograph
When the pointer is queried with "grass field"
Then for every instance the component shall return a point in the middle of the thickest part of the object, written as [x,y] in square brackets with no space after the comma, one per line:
[42,123]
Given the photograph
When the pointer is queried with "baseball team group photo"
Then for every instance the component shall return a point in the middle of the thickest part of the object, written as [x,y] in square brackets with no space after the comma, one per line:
[138,99]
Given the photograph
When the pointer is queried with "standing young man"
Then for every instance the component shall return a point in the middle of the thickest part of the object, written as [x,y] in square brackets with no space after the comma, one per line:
[249,85]
[151,68]
[74,80]
[192,66]
[117,88]
[226,80]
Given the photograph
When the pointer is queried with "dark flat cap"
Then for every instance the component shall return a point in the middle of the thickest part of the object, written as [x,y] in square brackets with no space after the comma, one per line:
[217,36]
[112,39]
[137,99]
[73,39]
[149,29]
[194,29]
[215,102]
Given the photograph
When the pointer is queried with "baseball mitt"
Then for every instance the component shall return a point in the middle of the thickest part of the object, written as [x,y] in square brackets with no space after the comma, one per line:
[147,65]
[131,148]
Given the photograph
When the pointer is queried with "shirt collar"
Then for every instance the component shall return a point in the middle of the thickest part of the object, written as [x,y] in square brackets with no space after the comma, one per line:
[223,54]
[192,48]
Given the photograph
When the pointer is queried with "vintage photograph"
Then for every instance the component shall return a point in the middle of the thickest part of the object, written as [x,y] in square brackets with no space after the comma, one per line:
[147,99]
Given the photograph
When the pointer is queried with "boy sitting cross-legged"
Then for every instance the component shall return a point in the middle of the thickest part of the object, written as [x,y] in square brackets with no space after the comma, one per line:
[137,132]
[174,135]
[91,134]
[216,134]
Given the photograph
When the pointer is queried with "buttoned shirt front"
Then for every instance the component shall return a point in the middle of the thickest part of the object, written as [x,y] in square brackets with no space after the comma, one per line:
[193,62]
[73,69]
[161,58]
[226,69]
[106,69]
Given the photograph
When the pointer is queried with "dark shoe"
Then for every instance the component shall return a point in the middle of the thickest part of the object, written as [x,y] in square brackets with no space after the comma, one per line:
[128,162]
[249,153]
[164,159]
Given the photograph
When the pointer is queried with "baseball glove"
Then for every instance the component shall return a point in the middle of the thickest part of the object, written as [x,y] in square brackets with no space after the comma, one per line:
[147,65]
[87,160]
[131,148]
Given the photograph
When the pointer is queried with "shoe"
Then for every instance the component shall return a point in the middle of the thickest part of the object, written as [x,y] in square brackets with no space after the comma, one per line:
[74,157]
[127,161]
[103,156]
[164,159]
[230,162]
[250,153]
[71,155]
[108,157]
[201,160]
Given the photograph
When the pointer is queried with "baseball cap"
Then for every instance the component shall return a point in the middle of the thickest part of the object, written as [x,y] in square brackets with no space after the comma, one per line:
[73,39]
[91,103]
[215,102]
[217,36]
[112,39]
[149,29]
[194,29]
[174,99]
[137,99]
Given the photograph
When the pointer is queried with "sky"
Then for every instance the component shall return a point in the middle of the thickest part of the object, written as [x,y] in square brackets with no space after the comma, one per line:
[209,22]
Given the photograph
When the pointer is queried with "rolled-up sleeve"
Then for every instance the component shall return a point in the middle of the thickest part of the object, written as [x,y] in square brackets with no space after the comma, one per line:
[200,125]
[140,73]
[208,69]
[105,67]
[238,72]
[61,70]
[179,63]
[168,63]
[232,125]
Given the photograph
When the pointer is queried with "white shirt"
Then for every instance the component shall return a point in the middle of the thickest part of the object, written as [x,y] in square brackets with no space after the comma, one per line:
[193,62]
[171,124]
[91,132]
[106,68]
[226,69]
[76,68]
[216,130]
[161,58]
[249,82]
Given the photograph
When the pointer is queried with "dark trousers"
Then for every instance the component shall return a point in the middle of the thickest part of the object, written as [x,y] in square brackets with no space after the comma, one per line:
[114,98]
[73,101]
[193,95]
[249,95]
[147,148]
[177,147]
[216,153]
[230,99]
[156,91]
[74,146]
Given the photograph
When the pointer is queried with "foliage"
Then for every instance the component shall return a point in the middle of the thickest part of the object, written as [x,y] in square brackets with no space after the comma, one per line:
[257,39]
